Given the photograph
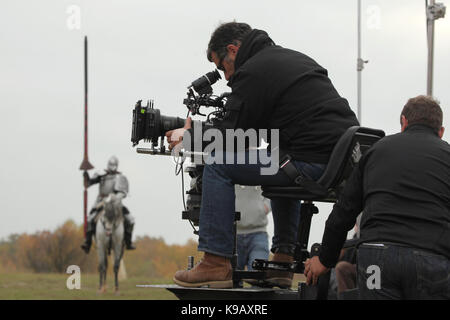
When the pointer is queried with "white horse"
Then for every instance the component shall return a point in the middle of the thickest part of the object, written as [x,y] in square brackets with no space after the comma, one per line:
[109,235]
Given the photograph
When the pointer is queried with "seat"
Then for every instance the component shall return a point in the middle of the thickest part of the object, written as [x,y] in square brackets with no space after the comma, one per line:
[346,154]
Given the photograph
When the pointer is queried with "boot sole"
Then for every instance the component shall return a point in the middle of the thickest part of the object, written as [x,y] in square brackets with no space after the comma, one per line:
[270,283]
[223,284]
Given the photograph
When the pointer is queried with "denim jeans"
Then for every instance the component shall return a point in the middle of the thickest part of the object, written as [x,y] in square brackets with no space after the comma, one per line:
[251,246]
[405,273]
[218,202]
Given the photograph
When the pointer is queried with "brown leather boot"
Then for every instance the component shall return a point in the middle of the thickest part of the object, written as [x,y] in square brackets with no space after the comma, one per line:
[282,279]
[212,271]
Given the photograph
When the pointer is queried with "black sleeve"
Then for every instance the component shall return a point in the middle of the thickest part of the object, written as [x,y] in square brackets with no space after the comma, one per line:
[343,217]
[94,180]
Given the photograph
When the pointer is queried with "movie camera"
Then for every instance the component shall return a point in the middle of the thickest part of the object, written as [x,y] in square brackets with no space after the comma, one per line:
[150,125]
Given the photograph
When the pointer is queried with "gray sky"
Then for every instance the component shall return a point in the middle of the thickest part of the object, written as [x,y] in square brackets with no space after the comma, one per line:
[153,50]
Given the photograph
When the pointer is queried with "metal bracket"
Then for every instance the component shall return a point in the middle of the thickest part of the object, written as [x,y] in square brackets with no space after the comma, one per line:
[360,64]
[435,11]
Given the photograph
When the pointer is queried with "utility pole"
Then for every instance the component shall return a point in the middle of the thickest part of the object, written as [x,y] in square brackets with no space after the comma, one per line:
[359,64]
[434,11]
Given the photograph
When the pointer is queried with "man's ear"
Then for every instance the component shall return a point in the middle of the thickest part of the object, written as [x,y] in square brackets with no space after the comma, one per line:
[441,132]
[404,123]
[233,49]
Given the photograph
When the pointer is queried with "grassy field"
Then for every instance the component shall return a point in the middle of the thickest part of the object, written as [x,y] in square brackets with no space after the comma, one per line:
[45,286]
[51,286]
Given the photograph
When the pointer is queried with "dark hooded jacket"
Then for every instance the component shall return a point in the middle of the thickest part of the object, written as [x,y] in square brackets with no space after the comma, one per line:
[278,88]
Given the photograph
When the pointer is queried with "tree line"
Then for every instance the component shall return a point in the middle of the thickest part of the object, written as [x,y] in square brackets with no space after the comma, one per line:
[54,251]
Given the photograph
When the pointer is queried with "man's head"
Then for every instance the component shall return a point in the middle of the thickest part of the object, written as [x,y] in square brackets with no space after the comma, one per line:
[224,45]
[422,110]
[113,164]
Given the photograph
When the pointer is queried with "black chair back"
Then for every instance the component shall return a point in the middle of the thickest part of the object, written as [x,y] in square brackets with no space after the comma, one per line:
[347,153]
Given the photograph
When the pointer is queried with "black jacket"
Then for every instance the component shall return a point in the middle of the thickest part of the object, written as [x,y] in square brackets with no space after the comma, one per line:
[278,88]
[402,185]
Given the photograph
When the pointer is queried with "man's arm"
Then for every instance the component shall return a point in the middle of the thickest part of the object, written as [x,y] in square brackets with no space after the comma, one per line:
[246,107]
[121,186]
[340,221]
[343,218]
[88,181]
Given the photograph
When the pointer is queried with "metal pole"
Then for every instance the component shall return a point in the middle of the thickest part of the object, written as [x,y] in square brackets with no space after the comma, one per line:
[359,66]
[85,165]
[430,39]
[434,11]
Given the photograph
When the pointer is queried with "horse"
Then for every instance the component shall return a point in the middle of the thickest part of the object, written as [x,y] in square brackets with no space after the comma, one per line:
[109,235]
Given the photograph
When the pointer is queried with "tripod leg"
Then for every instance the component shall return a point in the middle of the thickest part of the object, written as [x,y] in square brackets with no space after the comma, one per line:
[237,283]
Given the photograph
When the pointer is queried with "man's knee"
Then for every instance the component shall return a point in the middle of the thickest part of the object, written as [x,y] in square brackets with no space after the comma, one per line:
[215,170]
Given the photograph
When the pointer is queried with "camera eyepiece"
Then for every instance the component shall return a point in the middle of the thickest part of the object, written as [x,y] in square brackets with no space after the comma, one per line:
[203,84]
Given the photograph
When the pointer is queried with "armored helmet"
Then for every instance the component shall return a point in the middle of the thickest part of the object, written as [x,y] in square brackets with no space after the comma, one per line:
[113,164]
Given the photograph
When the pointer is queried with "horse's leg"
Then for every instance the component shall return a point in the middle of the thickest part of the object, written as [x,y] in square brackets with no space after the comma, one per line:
[100,258]
[116,278]
[105,272]
[101,253]
[102,272]
[100,282]
[118,252]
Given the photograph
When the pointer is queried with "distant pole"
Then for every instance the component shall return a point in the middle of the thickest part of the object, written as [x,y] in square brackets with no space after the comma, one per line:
[359,65]
[85,165]
[434,11]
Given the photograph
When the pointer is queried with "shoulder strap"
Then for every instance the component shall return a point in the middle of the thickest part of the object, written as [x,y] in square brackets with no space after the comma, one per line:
[298,177]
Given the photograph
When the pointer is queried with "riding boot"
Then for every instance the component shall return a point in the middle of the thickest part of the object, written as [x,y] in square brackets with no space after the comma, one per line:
[128,225]
[86,246]
[128,244]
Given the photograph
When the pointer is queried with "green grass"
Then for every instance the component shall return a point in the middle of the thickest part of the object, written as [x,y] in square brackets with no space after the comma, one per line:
[48,286]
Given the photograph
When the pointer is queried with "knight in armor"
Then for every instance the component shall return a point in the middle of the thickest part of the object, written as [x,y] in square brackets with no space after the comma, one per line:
[110,181]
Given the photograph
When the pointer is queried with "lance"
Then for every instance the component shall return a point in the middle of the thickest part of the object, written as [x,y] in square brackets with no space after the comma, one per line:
[85,165]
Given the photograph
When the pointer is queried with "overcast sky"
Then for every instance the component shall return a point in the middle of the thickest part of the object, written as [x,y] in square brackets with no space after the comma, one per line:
[153,50]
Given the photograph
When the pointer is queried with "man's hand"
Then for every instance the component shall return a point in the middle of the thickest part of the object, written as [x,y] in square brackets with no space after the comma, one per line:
[175,136]
[313,269]
[85,179]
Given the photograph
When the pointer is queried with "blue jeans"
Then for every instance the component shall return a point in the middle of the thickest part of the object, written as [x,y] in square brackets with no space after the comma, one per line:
[405,273]
[251,246]
[218,203]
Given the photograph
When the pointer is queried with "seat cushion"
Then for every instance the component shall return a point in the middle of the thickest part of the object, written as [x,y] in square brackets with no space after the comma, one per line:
[298,193]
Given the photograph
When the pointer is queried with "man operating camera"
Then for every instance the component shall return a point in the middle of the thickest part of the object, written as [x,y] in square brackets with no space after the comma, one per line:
[273,88]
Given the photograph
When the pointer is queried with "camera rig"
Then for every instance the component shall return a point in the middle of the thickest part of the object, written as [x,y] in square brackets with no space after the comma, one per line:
[150,125]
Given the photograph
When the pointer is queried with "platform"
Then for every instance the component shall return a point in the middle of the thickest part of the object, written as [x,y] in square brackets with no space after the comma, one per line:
[250,293]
